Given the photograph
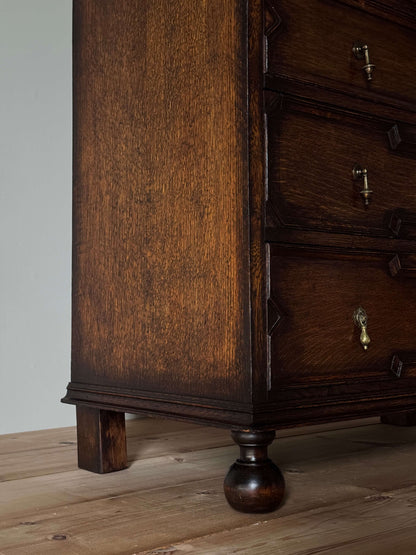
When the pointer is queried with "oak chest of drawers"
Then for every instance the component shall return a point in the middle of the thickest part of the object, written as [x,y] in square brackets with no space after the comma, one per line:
[244,221]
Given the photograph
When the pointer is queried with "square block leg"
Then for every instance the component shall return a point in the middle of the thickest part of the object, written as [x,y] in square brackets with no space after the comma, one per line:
[407,418]
[101,438]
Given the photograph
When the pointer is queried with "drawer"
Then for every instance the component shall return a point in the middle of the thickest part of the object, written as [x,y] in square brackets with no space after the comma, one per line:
[311,155]
[312,335]
[313,42]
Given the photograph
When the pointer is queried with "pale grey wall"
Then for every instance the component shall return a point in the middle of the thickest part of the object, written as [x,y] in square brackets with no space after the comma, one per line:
[35,213]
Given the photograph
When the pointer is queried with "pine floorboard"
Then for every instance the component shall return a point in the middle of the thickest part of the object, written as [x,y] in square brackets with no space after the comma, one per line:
[351,489]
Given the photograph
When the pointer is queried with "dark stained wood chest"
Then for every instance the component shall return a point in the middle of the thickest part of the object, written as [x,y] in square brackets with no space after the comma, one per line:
[244,220]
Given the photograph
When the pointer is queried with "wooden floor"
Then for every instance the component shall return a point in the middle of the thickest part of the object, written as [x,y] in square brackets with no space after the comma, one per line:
[351,490]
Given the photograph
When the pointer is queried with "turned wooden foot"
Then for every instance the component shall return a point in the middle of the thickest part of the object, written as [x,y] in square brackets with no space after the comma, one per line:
[254,484]
[101,438]
[407,418]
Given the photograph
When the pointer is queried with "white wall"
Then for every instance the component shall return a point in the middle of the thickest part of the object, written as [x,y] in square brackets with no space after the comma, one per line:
[35,213]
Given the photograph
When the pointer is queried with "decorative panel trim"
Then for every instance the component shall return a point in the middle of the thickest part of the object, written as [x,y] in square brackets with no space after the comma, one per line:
[403,266]
[294,406]
[272,24]
[396,366]
[221,413]
[275,316]
[277,106]
[380,106]
[403,364]
[401,11]
[272,20]
[400,222]
[402,139]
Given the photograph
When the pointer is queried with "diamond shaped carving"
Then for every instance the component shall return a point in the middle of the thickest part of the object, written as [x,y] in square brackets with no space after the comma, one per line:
[274,316]
[272,19]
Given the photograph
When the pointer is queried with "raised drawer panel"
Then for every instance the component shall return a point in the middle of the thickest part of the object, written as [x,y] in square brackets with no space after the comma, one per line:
[315,338]
[312,42]
[311,155]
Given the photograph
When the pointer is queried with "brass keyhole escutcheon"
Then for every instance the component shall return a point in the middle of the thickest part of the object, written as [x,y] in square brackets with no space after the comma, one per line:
[360,320]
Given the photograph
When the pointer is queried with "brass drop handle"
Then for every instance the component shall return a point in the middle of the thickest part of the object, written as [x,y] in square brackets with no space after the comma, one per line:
[361,51]
[361,173]
[360,320]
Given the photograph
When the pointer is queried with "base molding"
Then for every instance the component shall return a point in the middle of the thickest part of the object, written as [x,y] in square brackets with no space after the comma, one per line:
[291,409]
[206,411]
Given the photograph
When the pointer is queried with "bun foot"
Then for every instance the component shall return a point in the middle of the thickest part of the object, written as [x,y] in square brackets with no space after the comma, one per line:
[254,484]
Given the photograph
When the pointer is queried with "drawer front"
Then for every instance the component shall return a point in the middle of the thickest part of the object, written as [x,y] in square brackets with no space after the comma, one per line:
[313,42]
[312,335]
[311,155]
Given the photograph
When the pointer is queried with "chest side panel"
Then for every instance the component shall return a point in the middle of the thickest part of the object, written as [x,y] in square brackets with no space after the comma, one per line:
[160,281]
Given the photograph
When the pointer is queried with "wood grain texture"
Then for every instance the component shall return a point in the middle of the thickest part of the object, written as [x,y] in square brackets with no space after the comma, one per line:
[376,524]
[148,438]
[402,224]
[406,418]
[101,439]
[198,409]
[376,104]
[329,29]
[346,242]
[403,266]
[317,338]
[178,309]
[311,153]
[398,11]
[403,364]
[56,451]
[161,277]
[257,173]
[350,488]
[402,139]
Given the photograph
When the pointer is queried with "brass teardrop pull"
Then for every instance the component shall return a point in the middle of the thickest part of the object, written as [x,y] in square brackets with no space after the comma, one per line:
[360,320]
[361,51]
